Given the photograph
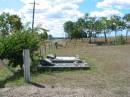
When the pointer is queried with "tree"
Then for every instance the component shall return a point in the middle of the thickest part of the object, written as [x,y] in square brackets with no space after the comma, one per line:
[69,28]
[86,27]
[116,25]
[4,24]
[15,23]
[98,26]
[80,27]
[105,26]
[9,23]
[90,26]
[13,45]
[50,37]
[43,36]
[42,32]
[93,26]
[127,24]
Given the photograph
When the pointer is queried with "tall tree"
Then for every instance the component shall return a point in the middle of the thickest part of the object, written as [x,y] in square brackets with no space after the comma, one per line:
[116,25]
[98,26]
[86,27]
[80,27]
[127,24]
[91,25]
[69,28]
[15,23]
[105,26]
[9,23]
[4,24]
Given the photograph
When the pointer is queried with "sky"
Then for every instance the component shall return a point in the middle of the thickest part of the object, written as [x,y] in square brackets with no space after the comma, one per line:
[51,14]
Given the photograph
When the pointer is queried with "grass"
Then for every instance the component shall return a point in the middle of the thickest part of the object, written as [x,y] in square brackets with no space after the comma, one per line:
[110,70]
[54,77]
[4,72]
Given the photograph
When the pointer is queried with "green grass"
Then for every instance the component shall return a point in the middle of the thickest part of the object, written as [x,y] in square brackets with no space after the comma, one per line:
[17,82]
[4,72]
[110,70]
[59,77]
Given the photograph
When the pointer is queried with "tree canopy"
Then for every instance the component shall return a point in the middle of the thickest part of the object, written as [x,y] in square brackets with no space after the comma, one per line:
[9,23]
[13,45]
[14,37]
[92,26]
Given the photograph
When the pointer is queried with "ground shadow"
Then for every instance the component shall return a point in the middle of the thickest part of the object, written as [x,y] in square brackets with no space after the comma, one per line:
[19,74]
[37,84]
[16,75]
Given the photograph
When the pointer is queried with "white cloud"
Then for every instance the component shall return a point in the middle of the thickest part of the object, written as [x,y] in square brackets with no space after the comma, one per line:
[119,4]
[105,13]
[110,7]
[52,14]
[11,11]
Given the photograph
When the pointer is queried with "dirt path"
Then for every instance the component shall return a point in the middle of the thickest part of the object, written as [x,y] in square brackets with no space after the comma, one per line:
[31,91]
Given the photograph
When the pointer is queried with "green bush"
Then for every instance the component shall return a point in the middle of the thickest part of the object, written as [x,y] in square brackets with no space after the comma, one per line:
[120,40]
[11,47]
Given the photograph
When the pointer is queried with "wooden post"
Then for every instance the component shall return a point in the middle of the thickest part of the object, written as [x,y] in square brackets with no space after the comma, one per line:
[53,47]
[26,65]
[49,48]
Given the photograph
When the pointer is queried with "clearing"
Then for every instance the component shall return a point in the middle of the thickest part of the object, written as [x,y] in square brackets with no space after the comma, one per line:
[109,75]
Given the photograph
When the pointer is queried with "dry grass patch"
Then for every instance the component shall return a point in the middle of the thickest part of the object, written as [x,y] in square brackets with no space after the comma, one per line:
[109,75]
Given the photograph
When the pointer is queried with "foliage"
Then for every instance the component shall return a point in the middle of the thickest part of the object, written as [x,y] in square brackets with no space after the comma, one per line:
[121,40]
[68,28]
[127,23]
[43,36]
[50,37]
[13,45]
[75,29]
[91,26]
[9,23]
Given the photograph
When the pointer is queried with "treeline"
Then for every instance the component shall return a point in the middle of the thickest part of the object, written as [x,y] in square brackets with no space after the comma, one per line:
[90,27]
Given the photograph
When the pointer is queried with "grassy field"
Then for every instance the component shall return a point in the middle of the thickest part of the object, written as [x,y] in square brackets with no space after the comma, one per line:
[109,75]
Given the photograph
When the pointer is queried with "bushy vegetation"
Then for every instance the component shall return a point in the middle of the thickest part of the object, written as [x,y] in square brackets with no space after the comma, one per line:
[91,27]
[121,40]
[9,23]
[13,45]
[14,37]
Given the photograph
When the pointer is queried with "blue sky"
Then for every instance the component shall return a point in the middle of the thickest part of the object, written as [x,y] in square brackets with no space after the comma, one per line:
[51,14]
[88,6]
[10,4]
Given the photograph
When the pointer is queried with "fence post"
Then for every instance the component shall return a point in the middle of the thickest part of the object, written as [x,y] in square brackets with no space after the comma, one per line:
[26,65]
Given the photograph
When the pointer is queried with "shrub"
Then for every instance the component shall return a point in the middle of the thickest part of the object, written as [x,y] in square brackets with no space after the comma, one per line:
[120,40]
[12,46]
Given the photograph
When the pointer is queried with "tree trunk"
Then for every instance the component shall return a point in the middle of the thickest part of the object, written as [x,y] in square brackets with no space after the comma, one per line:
[105,37]
[82,37]
[115,37]
[127,35]
[95,37]
[90,40]
[90,37]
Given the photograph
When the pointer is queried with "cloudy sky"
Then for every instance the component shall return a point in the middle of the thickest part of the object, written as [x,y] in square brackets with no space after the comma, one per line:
[51,14]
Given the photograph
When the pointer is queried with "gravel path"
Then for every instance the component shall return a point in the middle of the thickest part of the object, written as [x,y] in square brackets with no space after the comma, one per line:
[32,91]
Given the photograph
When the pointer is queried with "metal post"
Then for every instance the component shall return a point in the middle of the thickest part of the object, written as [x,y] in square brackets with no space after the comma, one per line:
[26,65]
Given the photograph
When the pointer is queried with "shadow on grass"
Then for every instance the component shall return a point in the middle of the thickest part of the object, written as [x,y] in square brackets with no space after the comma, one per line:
[101,43]
[58,70]
[19,74]
[36,84]
[16,75]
